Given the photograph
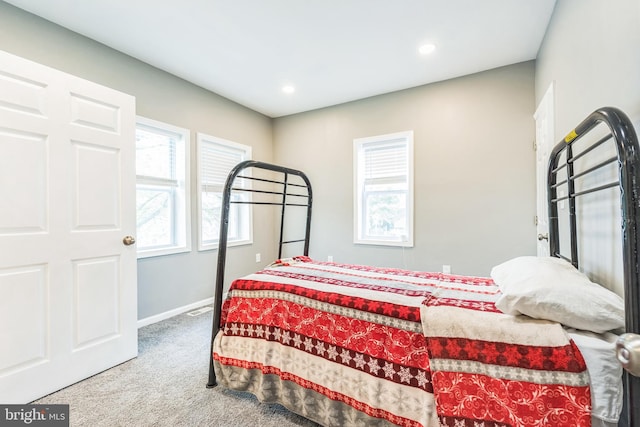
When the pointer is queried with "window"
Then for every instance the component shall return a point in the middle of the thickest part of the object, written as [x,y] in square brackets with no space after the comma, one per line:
[383,205]
[216,158]
[162,183]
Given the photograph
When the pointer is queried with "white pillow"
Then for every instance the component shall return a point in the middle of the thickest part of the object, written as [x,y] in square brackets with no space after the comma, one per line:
[551,288]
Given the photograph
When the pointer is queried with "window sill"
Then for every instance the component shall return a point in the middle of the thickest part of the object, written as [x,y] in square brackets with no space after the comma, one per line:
[229,244]
[397,243]
[149,253]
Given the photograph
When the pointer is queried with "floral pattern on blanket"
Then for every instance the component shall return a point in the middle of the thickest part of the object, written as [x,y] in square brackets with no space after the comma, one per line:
[349,345]
[489,368]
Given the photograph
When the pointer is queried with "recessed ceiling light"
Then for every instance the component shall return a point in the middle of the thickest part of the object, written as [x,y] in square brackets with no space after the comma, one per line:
[288,89]
[426,49]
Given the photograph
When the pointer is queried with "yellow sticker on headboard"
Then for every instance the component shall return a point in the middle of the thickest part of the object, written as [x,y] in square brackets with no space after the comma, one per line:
[572,135]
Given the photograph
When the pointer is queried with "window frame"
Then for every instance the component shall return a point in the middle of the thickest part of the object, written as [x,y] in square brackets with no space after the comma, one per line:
[360,145]
[246,150]
[181,212]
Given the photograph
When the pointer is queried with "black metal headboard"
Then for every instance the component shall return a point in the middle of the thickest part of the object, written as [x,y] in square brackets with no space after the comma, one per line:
[280,191]
[561,173]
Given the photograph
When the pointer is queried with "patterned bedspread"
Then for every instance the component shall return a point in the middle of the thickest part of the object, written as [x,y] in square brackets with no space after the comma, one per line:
[348,345]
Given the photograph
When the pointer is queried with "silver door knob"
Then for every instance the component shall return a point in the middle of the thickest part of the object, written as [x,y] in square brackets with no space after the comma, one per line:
[128,240]
[544,236]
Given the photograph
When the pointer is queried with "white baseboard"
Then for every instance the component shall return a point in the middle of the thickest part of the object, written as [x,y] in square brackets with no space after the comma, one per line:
[167,314]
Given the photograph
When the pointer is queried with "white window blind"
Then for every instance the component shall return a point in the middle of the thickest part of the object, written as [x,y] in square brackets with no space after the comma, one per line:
[385,160]
[217,161]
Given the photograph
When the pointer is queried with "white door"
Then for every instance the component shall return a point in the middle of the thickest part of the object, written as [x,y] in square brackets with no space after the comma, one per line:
[543,116]
[68,293]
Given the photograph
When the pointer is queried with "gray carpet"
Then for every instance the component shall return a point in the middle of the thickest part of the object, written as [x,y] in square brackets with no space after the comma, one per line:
[166,386]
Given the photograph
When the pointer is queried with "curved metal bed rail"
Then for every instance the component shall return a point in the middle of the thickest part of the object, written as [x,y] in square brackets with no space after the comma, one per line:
[224,226]
[622,133]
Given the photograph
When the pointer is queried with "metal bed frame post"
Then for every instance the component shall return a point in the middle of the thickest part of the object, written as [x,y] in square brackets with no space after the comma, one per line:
[628,150]
[573,229]
[224,229]
[284,207]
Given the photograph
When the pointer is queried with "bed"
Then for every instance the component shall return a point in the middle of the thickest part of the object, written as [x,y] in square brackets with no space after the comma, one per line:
[351,345]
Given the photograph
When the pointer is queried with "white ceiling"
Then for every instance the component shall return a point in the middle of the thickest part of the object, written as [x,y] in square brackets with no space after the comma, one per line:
[332,51]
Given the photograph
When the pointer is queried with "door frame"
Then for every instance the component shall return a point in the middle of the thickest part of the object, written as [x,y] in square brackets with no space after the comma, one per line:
[544,142]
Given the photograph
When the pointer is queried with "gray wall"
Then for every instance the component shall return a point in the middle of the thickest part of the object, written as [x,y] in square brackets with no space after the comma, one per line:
[591,52]
[474,170]
[168,282]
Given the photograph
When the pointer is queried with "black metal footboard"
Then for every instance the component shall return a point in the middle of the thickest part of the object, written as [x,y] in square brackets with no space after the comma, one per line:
[277,189]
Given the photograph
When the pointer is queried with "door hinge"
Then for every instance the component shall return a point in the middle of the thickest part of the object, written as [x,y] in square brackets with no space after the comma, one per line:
[535,220]
[535,145]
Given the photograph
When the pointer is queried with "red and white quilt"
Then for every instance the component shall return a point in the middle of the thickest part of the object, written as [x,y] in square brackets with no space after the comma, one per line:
[348,345]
